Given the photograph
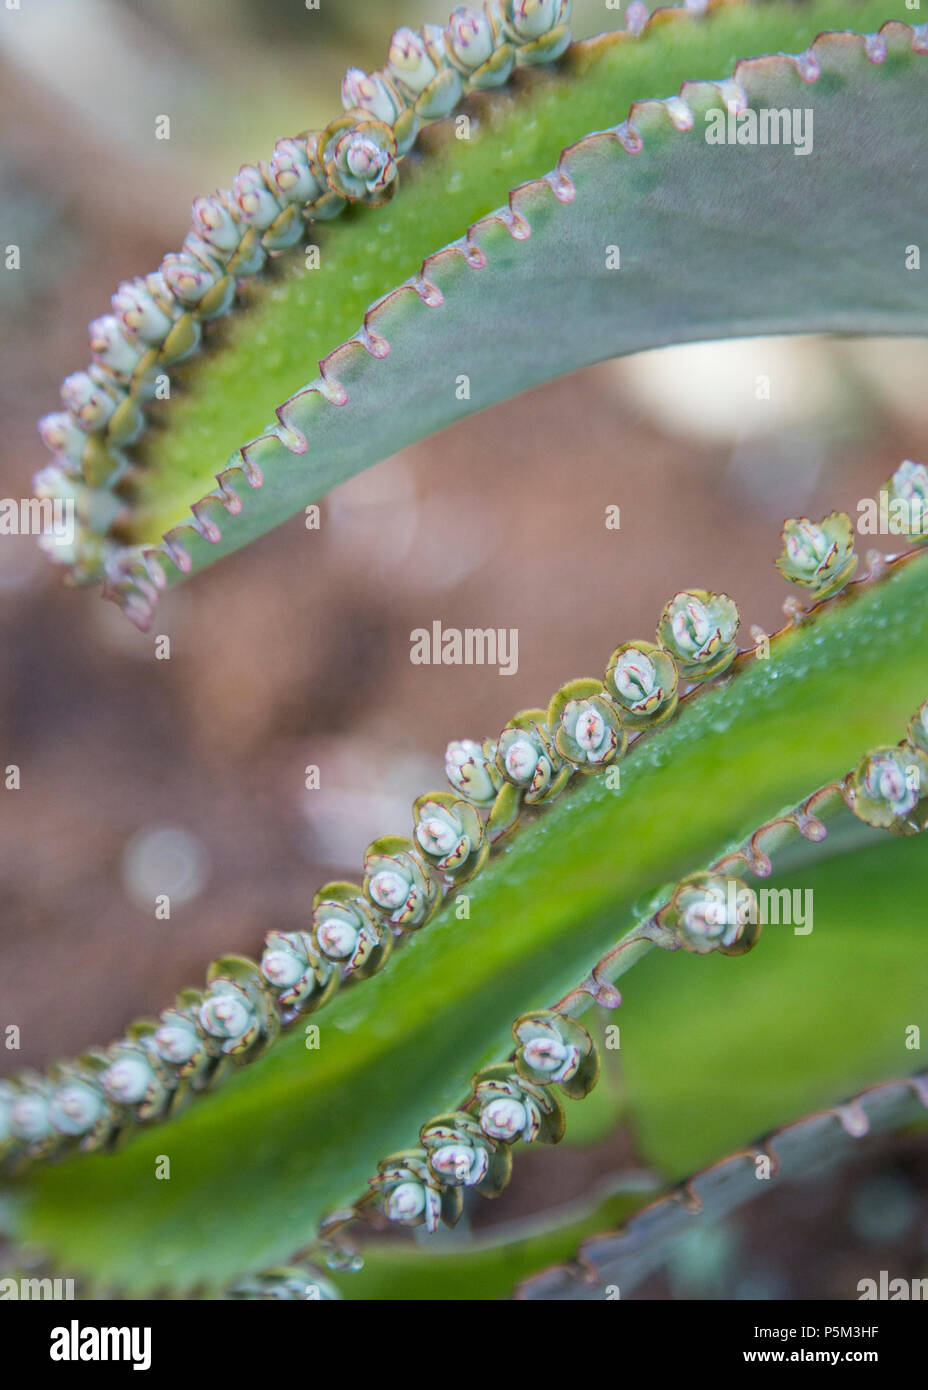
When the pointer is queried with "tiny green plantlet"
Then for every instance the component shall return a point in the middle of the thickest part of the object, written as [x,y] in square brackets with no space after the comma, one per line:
[450,1037]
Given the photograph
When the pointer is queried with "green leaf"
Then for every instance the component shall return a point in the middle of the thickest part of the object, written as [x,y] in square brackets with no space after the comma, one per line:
[255,1163]
[486,1267]
[622,1259]
[812,1016]
[714,241]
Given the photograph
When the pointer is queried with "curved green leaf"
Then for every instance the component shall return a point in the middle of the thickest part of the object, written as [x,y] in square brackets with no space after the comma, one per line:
[820,1014]
[256,1163]
[623,1259]
[712,240]
[488,1267]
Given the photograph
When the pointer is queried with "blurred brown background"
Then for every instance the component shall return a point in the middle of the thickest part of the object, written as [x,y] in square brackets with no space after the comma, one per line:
[190,772]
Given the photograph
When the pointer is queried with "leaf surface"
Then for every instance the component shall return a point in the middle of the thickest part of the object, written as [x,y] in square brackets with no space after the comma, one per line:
[712,241]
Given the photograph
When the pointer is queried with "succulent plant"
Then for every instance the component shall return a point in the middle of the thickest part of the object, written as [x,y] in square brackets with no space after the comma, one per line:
[819,555]
[113,351]
[235,1008]
[146,310]
[419,67]
[539,29]
[473,46]
[587,726]
[642,679]
[889,789]
[228,1013]
[461,1154]
[191,280]
[181,1041]
[89,404]
[587,882]
[218,222]
[30,1114]
[399,883]
[509,1108]
[359,157]
[347,932]
[75,1107]
[301,975]
[471,769]
[527,758]
[698,630]
[411,1196]
[134,1077]
[710,913]
[555,1048]
[451,835]
[907,492]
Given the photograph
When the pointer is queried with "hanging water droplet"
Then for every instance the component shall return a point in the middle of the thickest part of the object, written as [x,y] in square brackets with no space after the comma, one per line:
[344,1261]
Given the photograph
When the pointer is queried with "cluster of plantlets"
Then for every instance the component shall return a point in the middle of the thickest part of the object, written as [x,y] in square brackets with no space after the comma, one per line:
[472,1146]
[615,1263]
[585,731]
[706,911]
[548,768]
[513,1100]
[157,320]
